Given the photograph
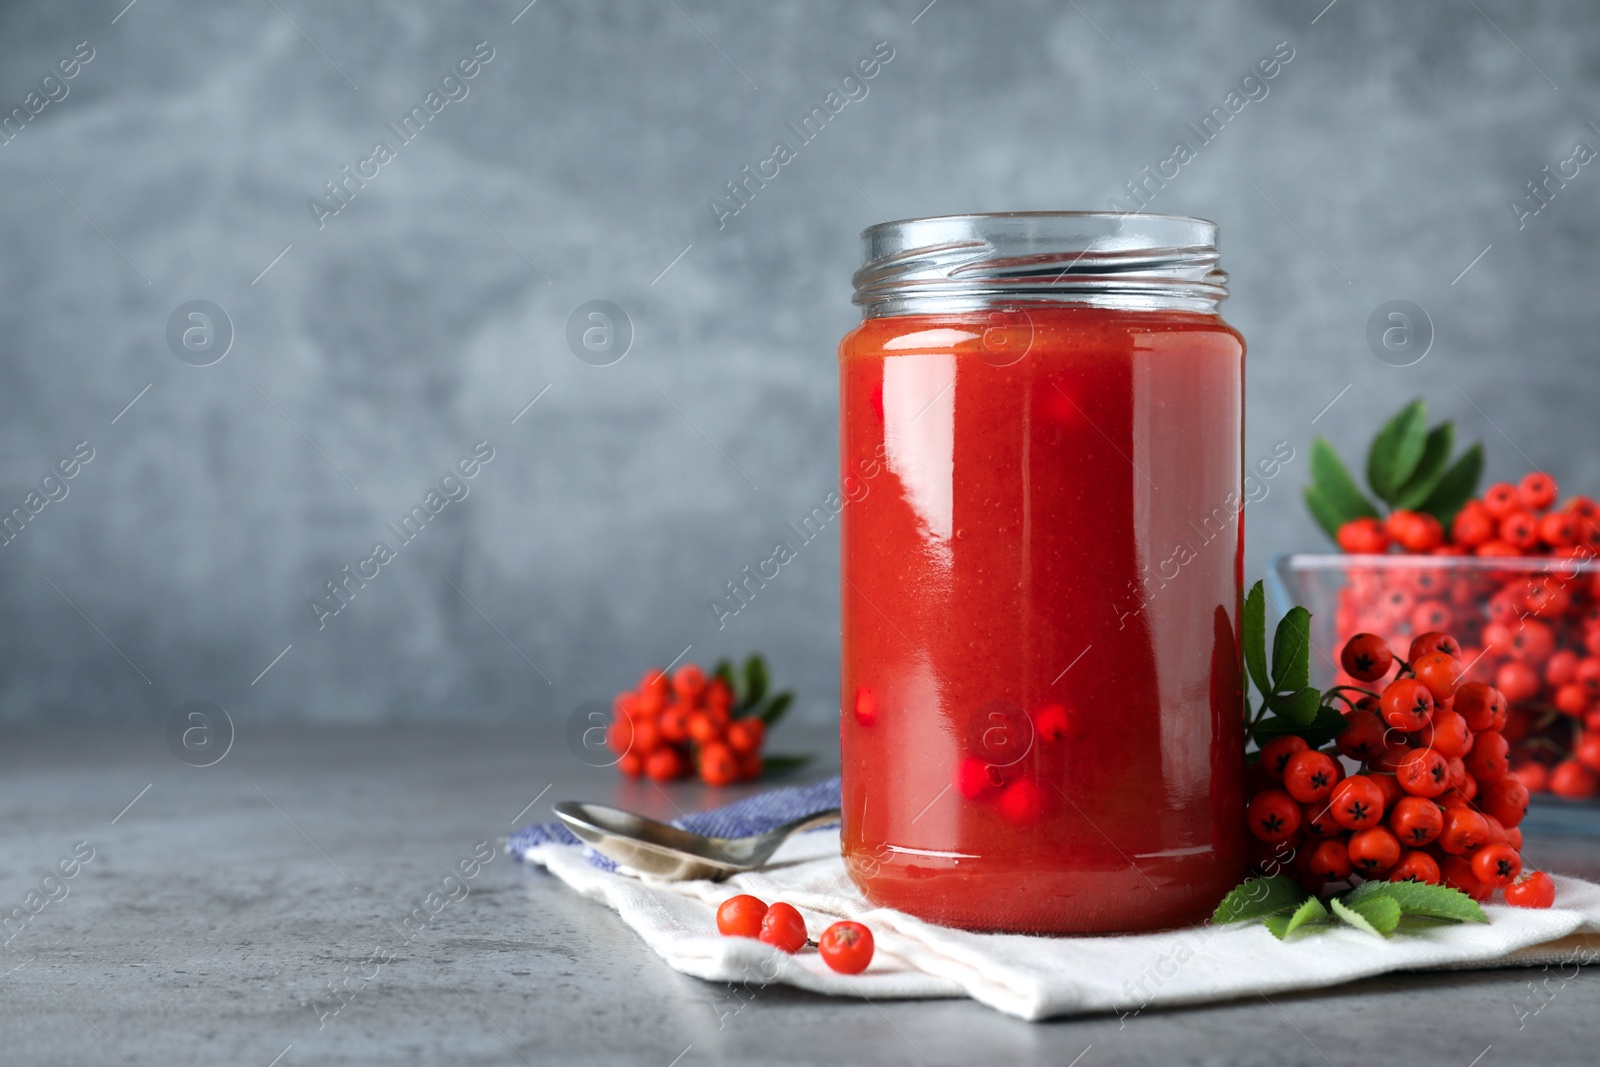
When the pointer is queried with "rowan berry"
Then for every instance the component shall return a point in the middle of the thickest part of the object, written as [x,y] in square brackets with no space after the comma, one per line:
[1366,657]
[975,778]
[1022,801]
[1497,865]
[1537,490]
[1053,722]
[1588,752]
[1533,642]
[703,729]
[1389,786]
[1273,816]
[1423,773]
[1572,699]
[719,695]
[1433,641]
[1357,803]
[1463,831]
[631,764]
[674,724]
[719,764]
[783,928]
[1363,536]
[1587,674]
[1317,820]
[1507,799]
[665,764]
[1330,861]
[1547,597]
[741,916]
[1310,776]
[1416,821]
[1407,704]
[1473,525]
[1431,615]
[745,735]
[654,692]
[1394,751]
[1480,704]
[1362,738]
[750,766]
[1414,531]
[1560,668]
[689,683]
[846,947]
[1275,753]
[1517,680]
[1456,872]
[1440,672]
[1448,734]
[1415,866]
[1531,889]
[1559,529]
[1520,529]
[1573,780]
[1501,499]
[1536,776]
[866,707]
[1497,548]
[1489,760]
[1373,851]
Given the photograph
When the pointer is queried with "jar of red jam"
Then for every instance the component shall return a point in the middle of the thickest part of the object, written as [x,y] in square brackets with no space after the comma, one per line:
[1041,450]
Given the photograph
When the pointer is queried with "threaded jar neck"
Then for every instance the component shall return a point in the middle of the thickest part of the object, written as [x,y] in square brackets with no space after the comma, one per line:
[958,263]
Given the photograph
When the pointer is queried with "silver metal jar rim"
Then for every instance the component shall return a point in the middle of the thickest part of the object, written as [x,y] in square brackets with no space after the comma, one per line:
[955,263]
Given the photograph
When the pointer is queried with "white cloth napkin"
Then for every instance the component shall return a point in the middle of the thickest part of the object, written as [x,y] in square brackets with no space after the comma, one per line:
[1042,977]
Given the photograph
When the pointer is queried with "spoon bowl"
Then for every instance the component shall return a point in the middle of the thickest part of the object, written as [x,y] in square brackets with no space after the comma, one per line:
[670,852]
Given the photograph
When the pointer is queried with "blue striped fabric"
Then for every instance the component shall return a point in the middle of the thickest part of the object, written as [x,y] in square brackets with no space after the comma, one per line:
[752,815]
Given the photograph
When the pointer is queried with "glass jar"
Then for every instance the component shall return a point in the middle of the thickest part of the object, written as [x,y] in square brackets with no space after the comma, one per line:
[1041,449]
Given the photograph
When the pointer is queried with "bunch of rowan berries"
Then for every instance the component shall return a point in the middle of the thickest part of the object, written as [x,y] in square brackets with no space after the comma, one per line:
[1531,631]
[670,727]
[1432,797]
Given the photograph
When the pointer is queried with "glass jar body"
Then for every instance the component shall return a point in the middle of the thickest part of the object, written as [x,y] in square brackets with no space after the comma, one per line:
[1041,707]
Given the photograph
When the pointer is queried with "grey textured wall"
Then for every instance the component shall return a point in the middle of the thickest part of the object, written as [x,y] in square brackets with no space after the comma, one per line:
[427,312]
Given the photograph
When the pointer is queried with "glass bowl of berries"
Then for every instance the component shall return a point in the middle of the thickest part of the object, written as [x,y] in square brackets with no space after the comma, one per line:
[1513,573]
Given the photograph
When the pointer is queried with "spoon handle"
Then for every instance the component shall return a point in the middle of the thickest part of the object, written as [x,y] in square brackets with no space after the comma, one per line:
[808,822]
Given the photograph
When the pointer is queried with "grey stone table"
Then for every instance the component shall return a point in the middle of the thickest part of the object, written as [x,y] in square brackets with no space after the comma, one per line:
[221,904]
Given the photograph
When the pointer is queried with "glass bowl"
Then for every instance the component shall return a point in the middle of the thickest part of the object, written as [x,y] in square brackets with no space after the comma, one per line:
[1526,624]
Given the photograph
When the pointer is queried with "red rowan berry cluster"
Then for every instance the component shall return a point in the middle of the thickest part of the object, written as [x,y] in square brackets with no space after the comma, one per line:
[1433,798]
[668,728]
[1534,635]
[845,947]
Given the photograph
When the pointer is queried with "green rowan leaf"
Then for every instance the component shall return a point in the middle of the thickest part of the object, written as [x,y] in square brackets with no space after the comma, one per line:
[1431,467]
[1318,732]
[1256,898]
[1334,483]
[775,708]
[1421,899]
[1291,651]
[1328,517]
[1377,914]
[1397,450]
[755,680]
[1455,487]
[1299,707]
[1310,913]
[1254,636]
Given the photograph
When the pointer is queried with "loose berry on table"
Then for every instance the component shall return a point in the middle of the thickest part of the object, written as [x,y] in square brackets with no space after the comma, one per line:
[846,947]
[1531,889]
[741,916]
[783,928]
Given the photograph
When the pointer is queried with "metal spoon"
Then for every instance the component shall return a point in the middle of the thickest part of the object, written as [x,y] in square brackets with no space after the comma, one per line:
[673,854]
